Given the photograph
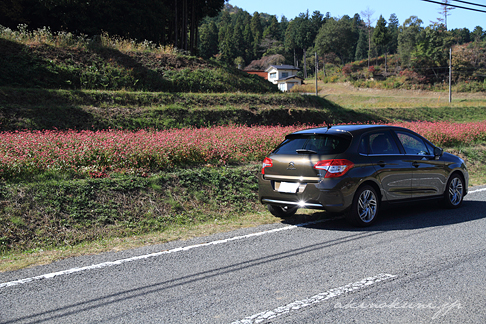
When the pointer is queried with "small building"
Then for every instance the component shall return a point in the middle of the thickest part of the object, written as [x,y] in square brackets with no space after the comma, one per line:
[284,75]
[287,83]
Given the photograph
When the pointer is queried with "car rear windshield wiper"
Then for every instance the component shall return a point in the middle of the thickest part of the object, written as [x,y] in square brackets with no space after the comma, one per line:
[304,151]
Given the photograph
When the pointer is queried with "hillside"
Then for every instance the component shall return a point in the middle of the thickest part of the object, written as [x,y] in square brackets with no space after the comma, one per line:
[103,65]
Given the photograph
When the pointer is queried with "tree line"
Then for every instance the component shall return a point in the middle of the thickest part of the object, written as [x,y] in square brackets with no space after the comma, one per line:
[215,29]
[164,22]
[238,37]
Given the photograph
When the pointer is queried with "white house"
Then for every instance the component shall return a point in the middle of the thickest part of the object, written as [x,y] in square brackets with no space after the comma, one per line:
[283,75]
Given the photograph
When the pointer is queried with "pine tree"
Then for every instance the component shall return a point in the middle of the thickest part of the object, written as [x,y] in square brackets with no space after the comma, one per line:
[273,30]
[393,25]
[362,46]
[381,36]
[208,43]
[257,30]
[247,43]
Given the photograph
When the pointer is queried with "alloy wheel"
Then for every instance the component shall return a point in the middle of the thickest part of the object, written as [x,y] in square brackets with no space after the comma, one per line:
[367,206]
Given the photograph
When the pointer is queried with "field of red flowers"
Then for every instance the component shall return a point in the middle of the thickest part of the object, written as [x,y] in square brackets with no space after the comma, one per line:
[97,153]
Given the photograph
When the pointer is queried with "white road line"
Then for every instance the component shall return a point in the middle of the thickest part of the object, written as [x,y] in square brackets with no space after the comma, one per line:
[264,316]
[146,256]
[477,190]
[151,255]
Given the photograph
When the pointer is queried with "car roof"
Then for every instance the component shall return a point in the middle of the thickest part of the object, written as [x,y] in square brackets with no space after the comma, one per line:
[339,129]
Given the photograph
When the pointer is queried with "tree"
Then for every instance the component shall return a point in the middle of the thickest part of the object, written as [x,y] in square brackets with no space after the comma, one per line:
[290,37]
[247,42]
[273,30]
[393,25]
[478,33]
[317,20]
[368,21]
[208,43]
[381,37]
[237,39]
[226,44]
[362,46]
[407,38]
[461,35]
[445,10]
[161,21]
[284,23]
[336,36]
[257,31]
[432,48]
[301,33]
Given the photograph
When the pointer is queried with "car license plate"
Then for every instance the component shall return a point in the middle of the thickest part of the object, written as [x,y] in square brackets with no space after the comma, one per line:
[288,187]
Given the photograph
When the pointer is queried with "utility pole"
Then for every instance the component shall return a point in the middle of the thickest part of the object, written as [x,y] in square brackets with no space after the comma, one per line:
[305,64]
[450,75]
[316,70]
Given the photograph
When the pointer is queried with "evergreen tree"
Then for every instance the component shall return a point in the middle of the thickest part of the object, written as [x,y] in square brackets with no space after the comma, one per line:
[393,25]
[461,35]
[223,24]
[408,35]
[380,36]
[284,23]
[208,43]
[247,43]
[357,26]
[362,46]
[336,36]
[237,41]
[432,48]
[478,33]
[316,21]
[226,44]
[273,30]
[257,31]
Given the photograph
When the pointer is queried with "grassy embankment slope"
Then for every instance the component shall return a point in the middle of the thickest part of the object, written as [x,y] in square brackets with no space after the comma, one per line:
[45,85]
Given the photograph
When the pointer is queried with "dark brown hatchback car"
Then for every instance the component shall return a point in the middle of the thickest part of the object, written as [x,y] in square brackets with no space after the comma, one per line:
[354,169]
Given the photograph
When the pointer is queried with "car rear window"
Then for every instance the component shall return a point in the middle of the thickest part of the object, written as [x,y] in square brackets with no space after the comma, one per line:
[307,144]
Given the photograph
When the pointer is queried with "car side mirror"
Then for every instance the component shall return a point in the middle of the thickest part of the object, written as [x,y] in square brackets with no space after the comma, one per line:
[438,152]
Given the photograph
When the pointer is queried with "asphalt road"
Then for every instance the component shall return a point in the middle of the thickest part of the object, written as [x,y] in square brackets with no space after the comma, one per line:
[418,264]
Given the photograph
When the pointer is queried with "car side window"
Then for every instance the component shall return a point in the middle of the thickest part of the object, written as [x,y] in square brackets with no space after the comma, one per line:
[363,145]
[382,143]
[412,144]
[430,148]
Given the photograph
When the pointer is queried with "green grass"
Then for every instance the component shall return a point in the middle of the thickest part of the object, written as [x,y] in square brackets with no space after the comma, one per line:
[50,211]
[88,109]
[457,114]
[102,67]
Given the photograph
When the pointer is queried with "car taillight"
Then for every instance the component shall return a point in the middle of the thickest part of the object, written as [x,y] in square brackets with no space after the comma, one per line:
[335,168]
[267,162]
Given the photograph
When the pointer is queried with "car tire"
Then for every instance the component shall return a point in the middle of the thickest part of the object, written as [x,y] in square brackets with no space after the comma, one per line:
[282,211]
[364,209]
[454,192]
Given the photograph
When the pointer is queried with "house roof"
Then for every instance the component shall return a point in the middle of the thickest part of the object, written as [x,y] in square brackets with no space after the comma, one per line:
[282,67]
[260,73]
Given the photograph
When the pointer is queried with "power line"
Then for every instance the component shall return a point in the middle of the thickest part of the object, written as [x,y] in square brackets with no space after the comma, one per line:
[470,3]
[455,6]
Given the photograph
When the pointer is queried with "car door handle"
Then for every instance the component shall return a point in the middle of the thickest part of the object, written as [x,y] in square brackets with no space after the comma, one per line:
[381,163]
[416,164]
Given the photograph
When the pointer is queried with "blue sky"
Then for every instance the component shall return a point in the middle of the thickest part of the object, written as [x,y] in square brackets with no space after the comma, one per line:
[426,11]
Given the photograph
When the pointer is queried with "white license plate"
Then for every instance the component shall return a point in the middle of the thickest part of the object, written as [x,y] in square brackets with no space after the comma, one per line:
[288,187]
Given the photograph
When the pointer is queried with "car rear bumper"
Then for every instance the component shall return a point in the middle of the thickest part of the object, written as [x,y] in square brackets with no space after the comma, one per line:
[326,194]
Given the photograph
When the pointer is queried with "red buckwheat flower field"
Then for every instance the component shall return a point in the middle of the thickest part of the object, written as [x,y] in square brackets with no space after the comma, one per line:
[98,152]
